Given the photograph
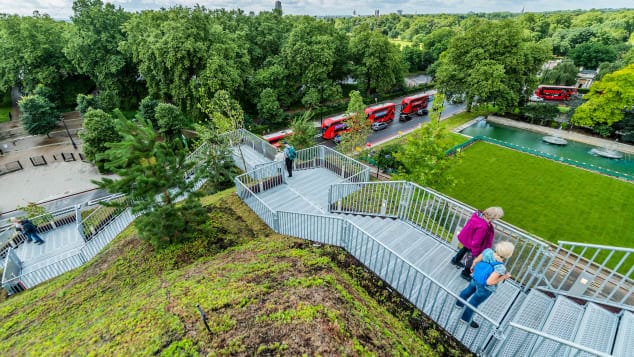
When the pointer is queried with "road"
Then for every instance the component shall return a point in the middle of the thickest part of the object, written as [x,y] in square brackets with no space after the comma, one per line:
[398,128]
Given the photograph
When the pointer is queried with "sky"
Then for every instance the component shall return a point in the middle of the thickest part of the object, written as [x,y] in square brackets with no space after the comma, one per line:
[62,9]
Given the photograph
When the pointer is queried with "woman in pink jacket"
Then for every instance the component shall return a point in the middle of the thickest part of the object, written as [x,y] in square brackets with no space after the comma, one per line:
[476,236]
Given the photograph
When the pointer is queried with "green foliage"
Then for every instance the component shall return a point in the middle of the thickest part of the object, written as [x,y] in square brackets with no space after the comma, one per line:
[269,108]
[147,110]
[215,158]
[565,74]
[606,99]
[423,159]
[85,102]
[540,112]
[416,59]
[491,72]
[153,174]
[626,126]
[39,115]
[378,65]
[530,202]
[99,129]
[32,50]
[92,47]
[304,131]
[359,126]
[590,55]
[170,121]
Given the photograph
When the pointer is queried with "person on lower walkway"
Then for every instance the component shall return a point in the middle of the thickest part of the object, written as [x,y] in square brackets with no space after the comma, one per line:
[476,236]
[488,271]
[289,156]
[28,228]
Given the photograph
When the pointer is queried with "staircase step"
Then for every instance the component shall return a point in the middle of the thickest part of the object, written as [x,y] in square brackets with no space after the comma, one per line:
[532,313]
[597,329]
[563,322]
[624,343]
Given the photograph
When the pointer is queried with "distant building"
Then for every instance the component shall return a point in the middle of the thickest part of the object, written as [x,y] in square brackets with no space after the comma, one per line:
[376,12]
[585,78]
[354,12]
[278,5]
[399,12]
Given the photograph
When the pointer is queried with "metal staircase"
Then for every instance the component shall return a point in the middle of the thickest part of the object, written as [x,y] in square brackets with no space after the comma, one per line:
[573,299]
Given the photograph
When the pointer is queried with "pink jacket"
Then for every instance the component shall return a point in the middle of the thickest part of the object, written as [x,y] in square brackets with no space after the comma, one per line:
[477,234]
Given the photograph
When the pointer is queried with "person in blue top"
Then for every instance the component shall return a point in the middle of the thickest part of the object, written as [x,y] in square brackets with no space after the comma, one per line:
[488,270]
[289,156]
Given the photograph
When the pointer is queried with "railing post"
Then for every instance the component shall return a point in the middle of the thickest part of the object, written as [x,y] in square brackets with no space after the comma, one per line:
[276,222]
[79,222]
[345,234]
[322,156]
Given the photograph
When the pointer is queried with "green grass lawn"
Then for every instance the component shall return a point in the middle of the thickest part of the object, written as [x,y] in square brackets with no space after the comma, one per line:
[546,198]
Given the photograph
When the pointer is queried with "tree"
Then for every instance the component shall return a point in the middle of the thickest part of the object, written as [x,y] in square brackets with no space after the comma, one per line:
[99,129]
[170,121]
[39,115]
[564,74]
[378,65]
[86,102]
[92,47]
[626,126]
[590,55]
[304,131]
[269,108]
[416,59]
[359,126]
[491,72]
[153,174]
[215,158]
[32,50]
[147,110]
[606,99]
[437,107]
[226,115]
[423,159]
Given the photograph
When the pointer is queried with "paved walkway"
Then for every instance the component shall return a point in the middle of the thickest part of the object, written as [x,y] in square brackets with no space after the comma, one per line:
[566,134]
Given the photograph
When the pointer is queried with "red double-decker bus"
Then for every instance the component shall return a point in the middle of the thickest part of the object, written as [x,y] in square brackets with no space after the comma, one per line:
[276,138]
[555,92]
[331,127]
[414,104]
[381,113]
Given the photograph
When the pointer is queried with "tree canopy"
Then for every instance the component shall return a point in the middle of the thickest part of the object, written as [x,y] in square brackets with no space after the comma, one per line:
[491,72]
[39,115]
[606,99]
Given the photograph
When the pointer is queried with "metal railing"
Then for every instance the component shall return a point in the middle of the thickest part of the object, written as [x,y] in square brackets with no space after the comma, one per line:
[99,217]
[439,216]
[559,346]
[593,272]
[255,203]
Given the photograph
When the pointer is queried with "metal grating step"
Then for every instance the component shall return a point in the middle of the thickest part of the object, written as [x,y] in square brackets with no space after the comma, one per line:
[532,313]
[597,329]
[624,343]
[563,321]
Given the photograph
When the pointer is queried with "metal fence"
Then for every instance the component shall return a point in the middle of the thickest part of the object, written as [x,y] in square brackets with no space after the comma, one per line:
[593,272]
[439,216]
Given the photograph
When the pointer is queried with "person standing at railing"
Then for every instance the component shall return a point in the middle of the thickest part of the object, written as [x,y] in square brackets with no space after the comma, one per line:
[476,236]
[28,228]
[488,271]
[289,155]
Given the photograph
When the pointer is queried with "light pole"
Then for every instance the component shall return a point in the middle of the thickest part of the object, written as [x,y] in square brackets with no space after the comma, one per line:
[68,132]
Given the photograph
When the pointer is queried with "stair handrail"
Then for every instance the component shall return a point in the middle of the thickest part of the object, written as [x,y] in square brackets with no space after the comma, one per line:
[579,348]
[438,215]
[588,265]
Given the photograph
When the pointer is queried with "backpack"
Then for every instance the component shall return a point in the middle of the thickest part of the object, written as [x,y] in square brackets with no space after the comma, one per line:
[291,153]
[482,271]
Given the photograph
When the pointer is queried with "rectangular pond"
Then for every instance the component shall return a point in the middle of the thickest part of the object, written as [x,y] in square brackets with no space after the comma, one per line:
[574,151]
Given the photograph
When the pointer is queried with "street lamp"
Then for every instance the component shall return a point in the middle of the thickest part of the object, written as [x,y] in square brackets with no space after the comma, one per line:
[68,132]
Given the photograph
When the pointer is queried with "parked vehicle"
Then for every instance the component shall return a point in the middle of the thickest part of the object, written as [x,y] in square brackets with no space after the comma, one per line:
[534,98]
[379,125]
[405,117]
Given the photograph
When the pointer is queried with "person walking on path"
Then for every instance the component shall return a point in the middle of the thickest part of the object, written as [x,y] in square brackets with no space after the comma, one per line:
[289,155]
[28,228]
[488,271]
[476,236]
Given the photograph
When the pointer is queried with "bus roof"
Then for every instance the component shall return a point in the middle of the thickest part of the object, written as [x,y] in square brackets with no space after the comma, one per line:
[414,97]
[559,87]
[379,106]
[335,119]
[278,135]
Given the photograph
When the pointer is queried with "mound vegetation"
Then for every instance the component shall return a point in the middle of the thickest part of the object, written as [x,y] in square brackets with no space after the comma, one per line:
[263,294]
